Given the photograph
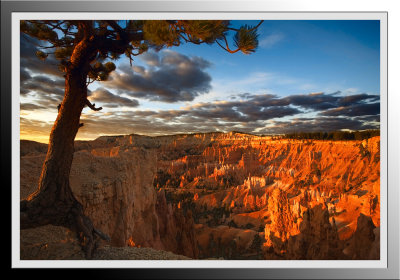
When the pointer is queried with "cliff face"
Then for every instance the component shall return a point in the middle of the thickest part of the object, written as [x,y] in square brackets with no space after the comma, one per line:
[295,235]
[176,228]
[115,186]
[344,175]
[228,195]
[270,186]
[116,191]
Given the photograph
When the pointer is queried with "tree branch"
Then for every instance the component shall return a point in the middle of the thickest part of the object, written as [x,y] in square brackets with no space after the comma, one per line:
[255,27]
[227,46]
[92,106]
[115,26]
[101,234]
[124,35]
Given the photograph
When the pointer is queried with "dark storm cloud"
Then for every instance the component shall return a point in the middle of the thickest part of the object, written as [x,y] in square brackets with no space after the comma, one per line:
[354,99]
[314,101]
[24,75]
[250,116]
[356,105]
[375,118]
[271,113]
[39,77]
[45,92]
[177,78]
[268,106]
[354,110]
[226,114]
[111,100]
[29,60]
[267,100]
[30,107]
[43,85]
[317,125]
[219,116]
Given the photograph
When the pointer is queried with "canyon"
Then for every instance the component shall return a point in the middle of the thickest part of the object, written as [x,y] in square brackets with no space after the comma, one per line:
[227,195]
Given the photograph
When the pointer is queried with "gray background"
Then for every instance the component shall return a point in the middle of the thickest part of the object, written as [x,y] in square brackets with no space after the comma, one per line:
[392,272]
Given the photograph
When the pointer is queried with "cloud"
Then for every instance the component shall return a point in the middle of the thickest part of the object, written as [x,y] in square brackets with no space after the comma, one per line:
[356,98]
[29,60]
[268,106]
[30,107]
[34,129]
[271,40]
[40,79]
[111,100]
[261,114]
[40,92]
[172,77]
[354,110]
[150,58]
[314,101]
[371,118]
[321,101]
[270,113]
[48,103]
[177,78]
[24,75]
[43,85]
[324,124]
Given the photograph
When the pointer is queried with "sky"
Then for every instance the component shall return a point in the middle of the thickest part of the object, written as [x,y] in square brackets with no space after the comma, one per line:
[304,76]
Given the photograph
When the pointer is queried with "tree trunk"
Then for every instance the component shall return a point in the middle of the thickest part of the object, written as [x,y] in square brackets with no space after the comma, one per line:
[53,202]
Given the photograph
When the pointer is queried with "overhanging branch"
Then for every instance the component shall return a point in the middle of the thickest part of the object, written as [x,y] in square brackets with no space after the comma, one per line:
[92,106]
[227,46]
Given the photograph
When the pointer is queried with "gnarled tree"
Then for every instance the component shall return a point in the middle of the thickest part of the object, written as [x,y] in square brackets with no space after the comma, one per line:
[85,50]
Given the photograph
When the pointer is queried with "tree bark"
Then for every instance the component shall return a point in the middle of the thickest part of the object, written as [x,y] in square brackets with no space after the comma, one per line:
[54,202]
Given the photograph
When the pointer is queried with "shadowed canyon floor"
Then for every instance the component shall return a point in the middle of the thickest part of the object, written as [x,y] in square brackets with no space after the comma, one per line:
[222,195]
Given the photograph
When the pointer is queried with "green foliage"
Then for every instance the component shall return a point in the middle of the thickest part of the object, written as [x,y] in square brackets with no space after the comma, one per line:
[246,39]
[334,135]
[100,71]
[109,66]
[205,30]
[39,31]
[135,25]
[62,53]
[160,33]
[41,55]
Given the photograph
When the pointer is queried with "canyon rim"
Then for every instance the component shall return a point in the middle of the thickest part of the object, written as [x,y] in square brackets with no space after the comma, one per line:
[225,195]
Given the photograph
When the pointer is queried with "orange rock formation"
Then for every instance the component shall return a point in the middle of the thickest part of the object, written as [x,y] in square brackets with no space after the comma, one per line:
[228,195]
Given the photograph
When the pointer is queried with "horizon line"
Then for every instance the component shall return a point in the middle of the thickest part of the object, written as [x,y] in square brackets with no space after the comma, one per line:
[210,132]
